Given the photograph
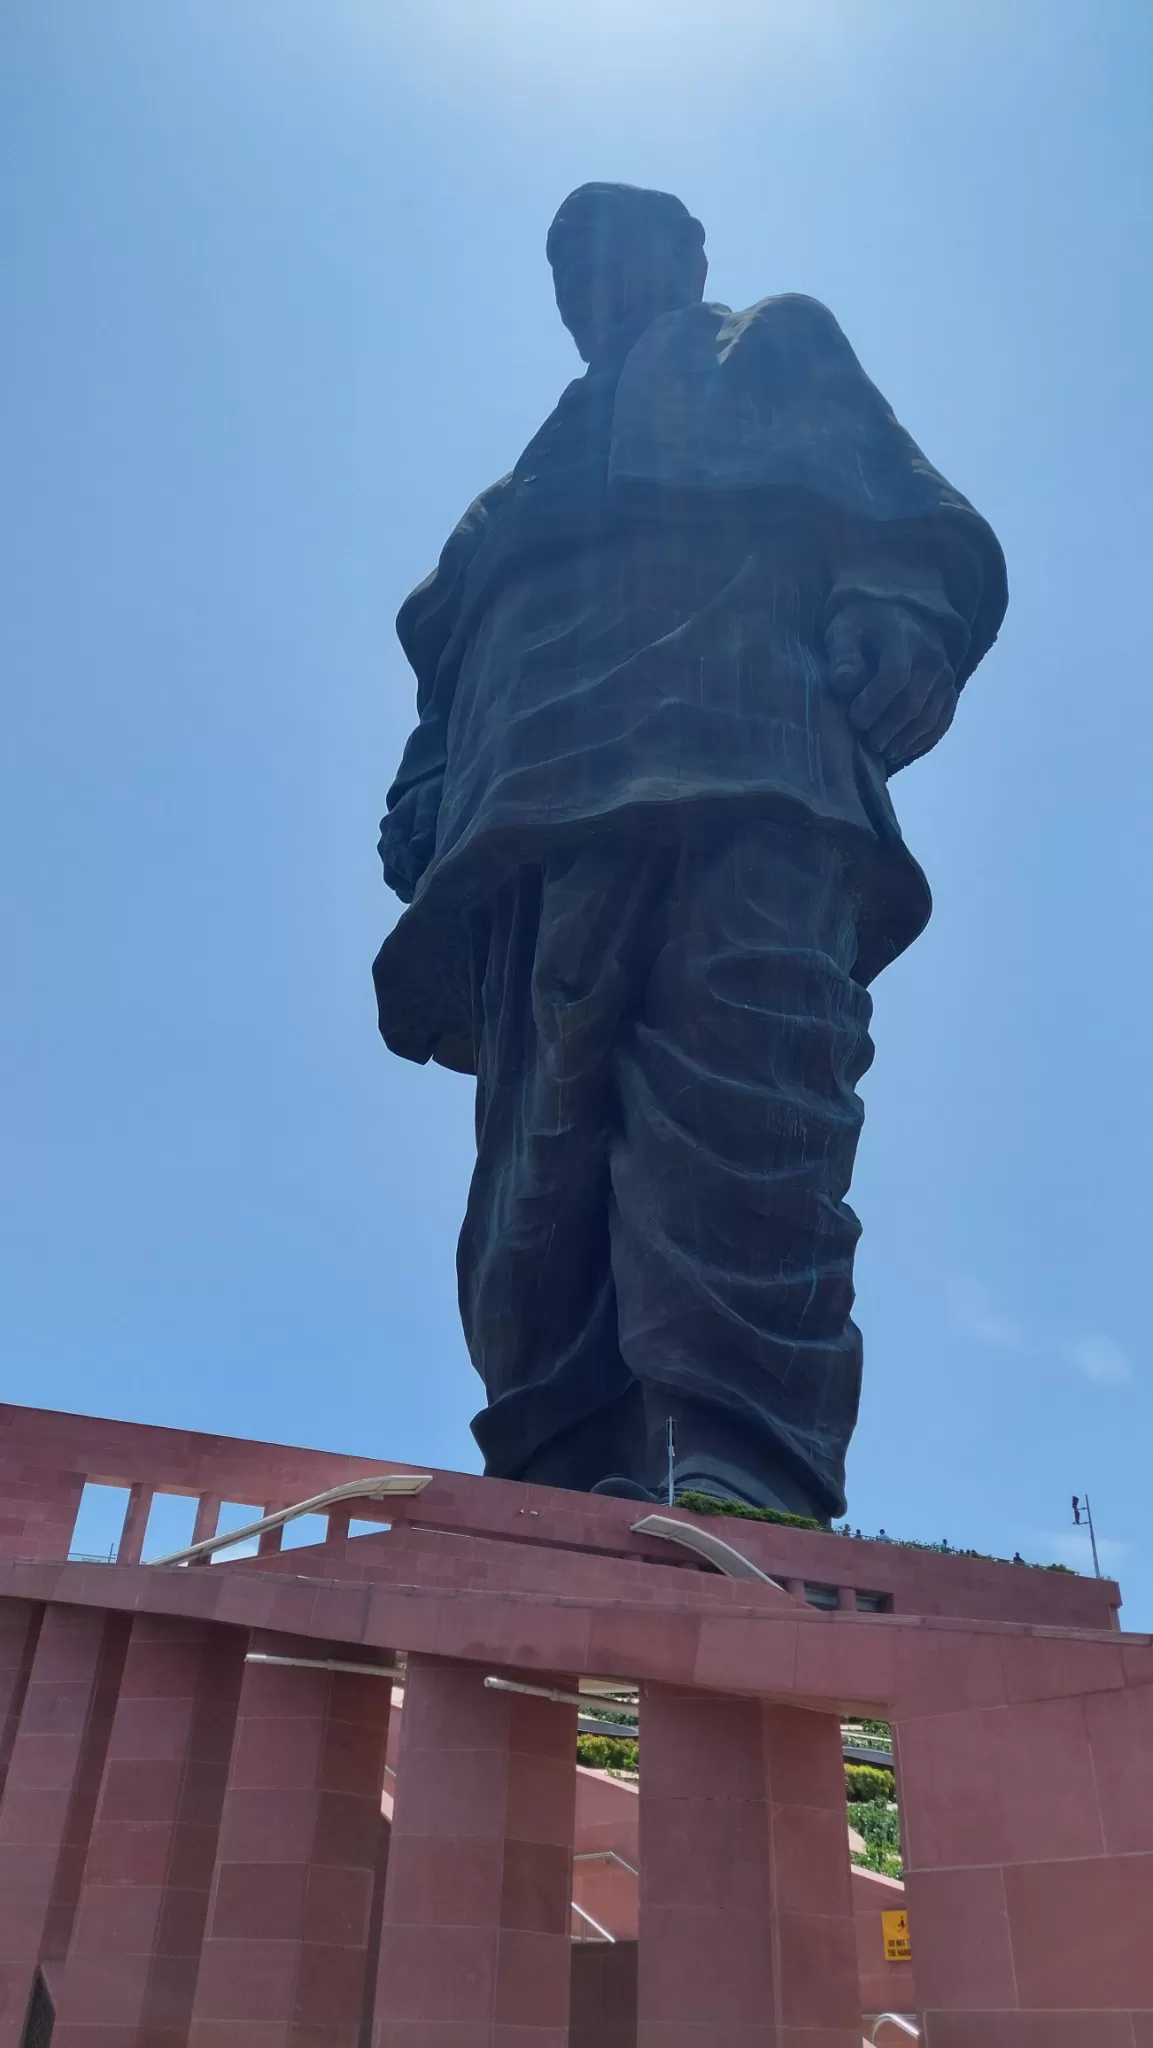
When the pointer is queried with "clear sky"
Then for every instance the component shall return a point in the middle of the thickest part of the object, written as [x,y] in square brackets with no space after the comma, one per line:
[276,307]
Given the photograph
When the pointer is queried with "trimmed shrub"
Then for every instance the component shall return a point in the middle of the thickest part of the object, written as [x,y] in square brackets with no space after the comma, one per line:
[606,1753]
[866,1782]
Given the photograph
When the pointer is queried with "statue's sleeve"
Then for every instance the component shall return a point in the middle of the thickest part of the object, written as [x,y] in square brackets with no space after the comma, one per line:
[430,628]
[936,571]
[898,530]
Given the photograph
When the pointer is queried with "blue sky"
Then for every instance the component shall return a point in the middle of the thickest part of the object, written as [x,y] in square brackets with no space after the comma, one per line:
[277,307]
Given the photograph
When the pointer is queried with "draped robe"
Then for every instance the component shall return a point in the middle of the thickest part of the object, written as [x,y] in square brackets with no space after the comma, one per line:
[625,636]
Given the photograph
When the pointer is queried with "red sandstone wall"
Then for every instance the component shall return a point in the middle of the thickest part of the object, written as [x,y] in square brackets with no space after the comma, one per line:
[187,1873]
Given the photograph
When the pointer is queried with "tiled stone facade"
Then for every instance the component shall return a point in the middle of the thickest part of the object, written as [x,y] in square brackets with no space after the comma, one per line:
[195,1849]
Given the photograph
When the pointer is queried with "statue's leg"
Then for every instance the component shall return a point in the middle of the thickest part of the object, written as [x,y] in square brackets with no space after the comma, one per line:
[555,971]
[732,1242]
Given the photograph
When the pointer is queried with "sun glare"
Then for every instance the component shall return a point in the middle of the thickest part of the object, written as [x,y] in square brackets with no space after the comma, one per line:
[623,44]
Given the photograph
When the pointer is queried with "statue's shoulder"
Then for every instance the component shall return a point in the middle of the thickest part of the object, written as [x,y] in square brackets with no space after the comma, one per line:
[787,325]
[786,309]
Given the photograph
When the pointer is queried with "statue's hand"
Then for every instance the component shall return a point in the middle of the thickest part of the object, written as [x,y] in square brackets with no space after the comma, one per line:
[891,664]
[408,838]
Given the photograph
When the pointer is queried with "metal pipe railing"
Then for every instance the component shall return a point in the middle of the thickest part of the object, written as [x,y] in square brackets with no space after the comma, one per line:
[547,1692]
[602,1931]
[378,1488]
[390,1671]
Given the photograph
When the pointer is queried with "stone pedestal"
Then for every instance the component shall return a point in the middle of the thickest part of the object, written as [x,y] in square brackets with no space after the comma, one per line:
[475,1949]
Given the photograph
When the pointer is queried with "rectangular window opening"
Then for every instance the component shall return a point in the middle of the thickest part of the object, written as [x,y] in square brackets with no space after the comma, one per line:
[236,1514]
[305,1530]
[821,1596]
[99,1523]
[873,1603]
[171,1520]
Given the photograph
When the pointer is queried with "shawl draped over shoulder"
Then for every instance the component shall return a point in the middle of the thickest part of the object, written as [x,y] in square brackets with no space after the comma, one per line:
[627,633]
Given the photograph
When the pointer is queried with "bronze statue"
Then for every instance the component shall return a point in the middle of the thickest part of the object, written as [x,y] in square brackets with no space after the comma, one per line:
[665,669]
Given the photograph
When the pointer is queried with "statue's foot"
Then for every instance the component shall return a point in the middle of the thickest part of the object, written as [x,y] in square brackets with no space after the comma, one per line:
[617,1487]
[592,1452]
[716,1455]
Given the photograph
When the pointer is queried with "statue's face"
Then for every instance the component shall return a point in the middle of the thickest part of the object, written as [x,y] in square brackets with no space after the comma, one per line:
[614,274]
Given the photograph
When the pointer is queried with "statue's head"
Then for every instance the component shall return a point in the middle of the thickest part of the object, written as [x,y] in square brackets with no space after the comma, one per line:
[620,255]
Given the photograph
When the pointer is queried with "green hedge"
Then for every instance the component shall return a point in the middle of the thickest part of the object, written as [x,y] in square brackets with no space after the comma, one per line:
[606,1752]
[864,1782]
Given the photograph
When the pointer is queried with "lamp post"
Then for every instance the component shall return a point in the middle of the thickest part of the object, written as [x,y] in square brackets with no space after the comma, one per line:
[1092,1530]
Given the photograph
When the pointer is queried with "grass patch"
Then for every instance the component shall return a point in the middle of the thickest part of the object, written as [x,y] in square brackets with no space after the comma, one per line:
[878,1824]
[708,1504]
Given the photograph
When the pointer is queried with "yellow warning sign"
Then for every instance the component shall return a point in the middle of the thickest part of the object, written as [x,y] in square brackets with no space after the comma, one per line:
[895,1929]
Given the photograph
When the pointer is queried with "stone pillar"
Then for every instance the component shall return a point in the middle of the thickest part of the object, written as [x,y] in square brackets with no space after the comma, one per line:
[746,1911]
[287,1944]
[207,1516]
[475,1944]
[136,1515]
[50,1794]
[135,1945]
[19,1629]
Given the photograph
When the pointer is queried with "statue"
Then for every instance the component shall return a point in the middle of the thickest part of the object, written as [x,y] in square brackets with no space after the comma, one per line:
[665,669]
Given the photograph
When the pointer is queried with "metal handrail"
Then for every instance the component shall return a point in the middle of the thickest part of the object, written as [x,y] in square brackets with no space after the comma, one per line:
[548,1692]
[602,1931]
[378,1488]
[894,2019]
[390,1671]
[605,1856]
[704,1544]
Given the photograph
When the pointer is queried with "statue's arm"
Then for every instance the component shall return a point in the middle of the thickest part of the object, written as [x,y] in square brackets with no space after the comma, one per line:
[900,620]
[428,627]
[916,588]
[770,408]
